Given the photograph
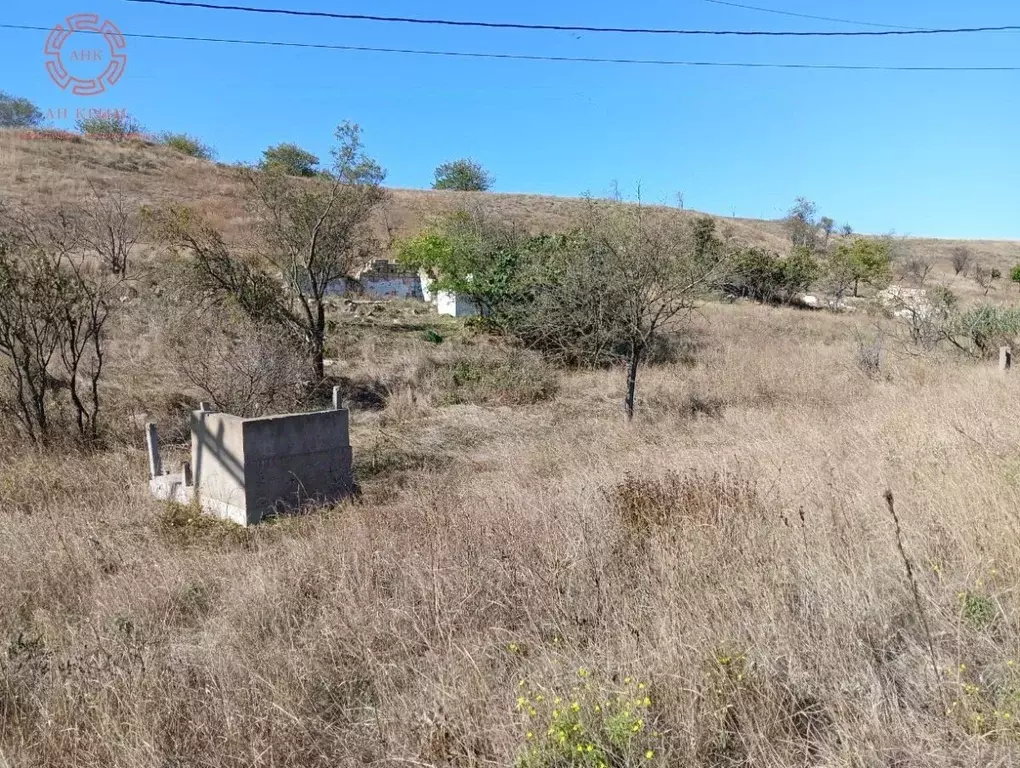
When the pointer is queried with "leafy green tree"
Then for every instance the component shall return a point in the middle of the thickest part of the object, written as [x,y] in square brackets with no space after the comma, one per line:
[474,255]
[462,176]
[289,159]
[16,112]
[859,260]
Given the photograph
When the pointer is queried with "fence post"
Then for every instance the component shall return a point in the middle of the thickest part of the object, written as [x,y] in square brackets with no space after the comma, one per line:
[336,398]
[1005,359]
[152,443]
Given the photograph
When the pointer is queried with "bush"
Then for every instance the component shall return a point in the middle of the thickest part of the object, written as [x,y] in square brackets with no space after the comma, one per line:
[16,112]
[243,367]
[482,377]
[187,145]
[462,176]
[114,126]
[289,159]
[1014,274]
[766,276]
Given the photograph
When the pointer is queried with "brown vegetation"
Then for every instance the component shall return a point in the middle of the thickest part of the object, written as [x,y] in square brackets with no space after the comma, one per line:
[725,563]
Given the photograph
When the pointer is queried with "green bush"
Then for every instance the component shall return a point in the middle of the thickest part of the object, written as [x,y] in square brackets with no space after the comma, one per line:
[1014,274]
[16,112]
[114,126]
[187,145]
[289,159]
[986,328]
[462,176]
[766,276]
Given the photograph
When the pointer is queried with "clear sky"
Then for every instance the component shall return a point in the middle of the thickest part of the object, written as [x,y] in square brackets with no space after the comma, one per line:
[927,154]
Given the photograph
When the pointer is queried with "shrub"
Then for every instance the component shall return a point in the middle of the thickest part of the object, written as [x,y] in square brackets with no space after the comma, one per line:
[960,258]
[986,328]
[462,176]
[16,112]
[764,275]
[1014,274]
[508,377]
[114,126]
[868,355]
[589,725]
[242,366]
[289,159]
[646,504]
[187,145]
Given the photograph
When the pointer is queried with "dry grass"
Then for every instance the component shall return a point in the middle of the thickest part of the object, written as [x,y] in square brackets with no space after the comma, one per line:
[738,560]
[730,551]
[47,171]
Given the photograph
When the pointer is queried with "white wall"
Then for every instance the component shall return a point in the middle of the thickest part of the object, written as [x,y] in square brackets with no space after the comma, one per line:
[448,303]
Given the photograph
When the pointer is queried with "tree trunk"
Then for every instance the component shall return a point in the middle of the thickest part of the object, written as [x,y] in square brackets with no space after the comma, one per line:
[635,359]
[319,343]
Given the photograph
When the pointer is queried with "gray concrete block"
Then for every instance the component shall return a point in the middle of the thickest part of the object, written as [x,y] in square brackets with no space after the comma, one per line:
[244,469]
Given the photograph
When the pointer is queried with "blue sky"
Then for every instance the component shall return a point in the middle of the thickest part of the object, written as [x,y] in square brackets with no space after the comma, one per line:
[927,154]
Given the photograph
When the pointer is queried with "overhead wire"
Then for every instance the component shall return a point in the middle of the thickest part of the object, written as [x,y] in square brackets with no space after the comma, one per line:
[807,15]
[574,27]
[536,57]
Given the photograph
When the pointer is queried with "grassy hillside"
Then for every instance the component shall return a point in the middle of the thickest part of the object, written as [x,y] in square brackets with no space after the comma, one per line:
[527,580]
[43,171]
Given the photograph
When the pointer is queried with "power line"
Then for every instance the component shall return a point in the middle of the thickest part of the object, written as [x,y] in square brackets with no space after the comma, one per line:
[529,57]
[570,28]
[807,15]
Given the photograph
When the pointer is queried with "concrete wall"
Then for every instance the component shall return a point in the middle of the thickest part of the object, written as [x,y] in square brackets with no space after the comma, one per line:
[246,468]
[449,303]
[408,287]
[290,460]
[217,461]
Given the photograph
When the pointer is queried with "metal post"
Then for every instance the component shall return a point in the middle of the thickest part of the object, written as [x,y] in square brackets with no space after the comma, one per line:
[336,398]
[152,443]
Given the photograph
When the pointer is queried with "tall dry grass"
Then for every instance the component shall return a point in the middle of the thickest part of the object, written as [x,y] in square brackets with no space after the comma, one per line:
[731,550]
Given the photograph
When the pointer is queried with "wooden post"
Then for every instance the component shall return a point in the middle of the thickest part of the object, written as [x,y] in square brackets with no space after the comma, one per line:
[186,472]
[336,398]
[152,443]
[1005,359]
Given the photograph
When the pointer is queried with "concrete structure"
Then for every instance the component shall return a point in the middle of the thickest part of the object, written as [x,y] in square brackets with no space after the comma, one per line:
[446,302]
[245,469]
[381,279]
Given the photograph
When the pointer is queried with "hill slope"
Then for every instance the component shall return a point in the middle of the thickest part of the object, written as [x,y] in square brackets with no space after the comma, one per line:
[47,171]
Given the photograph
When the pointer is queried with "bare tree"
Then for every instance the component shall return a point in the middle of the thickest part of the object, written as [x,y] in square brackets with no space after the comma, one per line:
[243,367]
[982,276]
[802,224]
[309,234]
[960,257]
[110,227]
[53,313]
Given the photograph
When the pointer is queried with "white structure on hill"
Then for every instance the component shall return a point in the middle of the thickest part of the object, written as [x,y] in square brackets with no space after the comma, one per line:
[447,302]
